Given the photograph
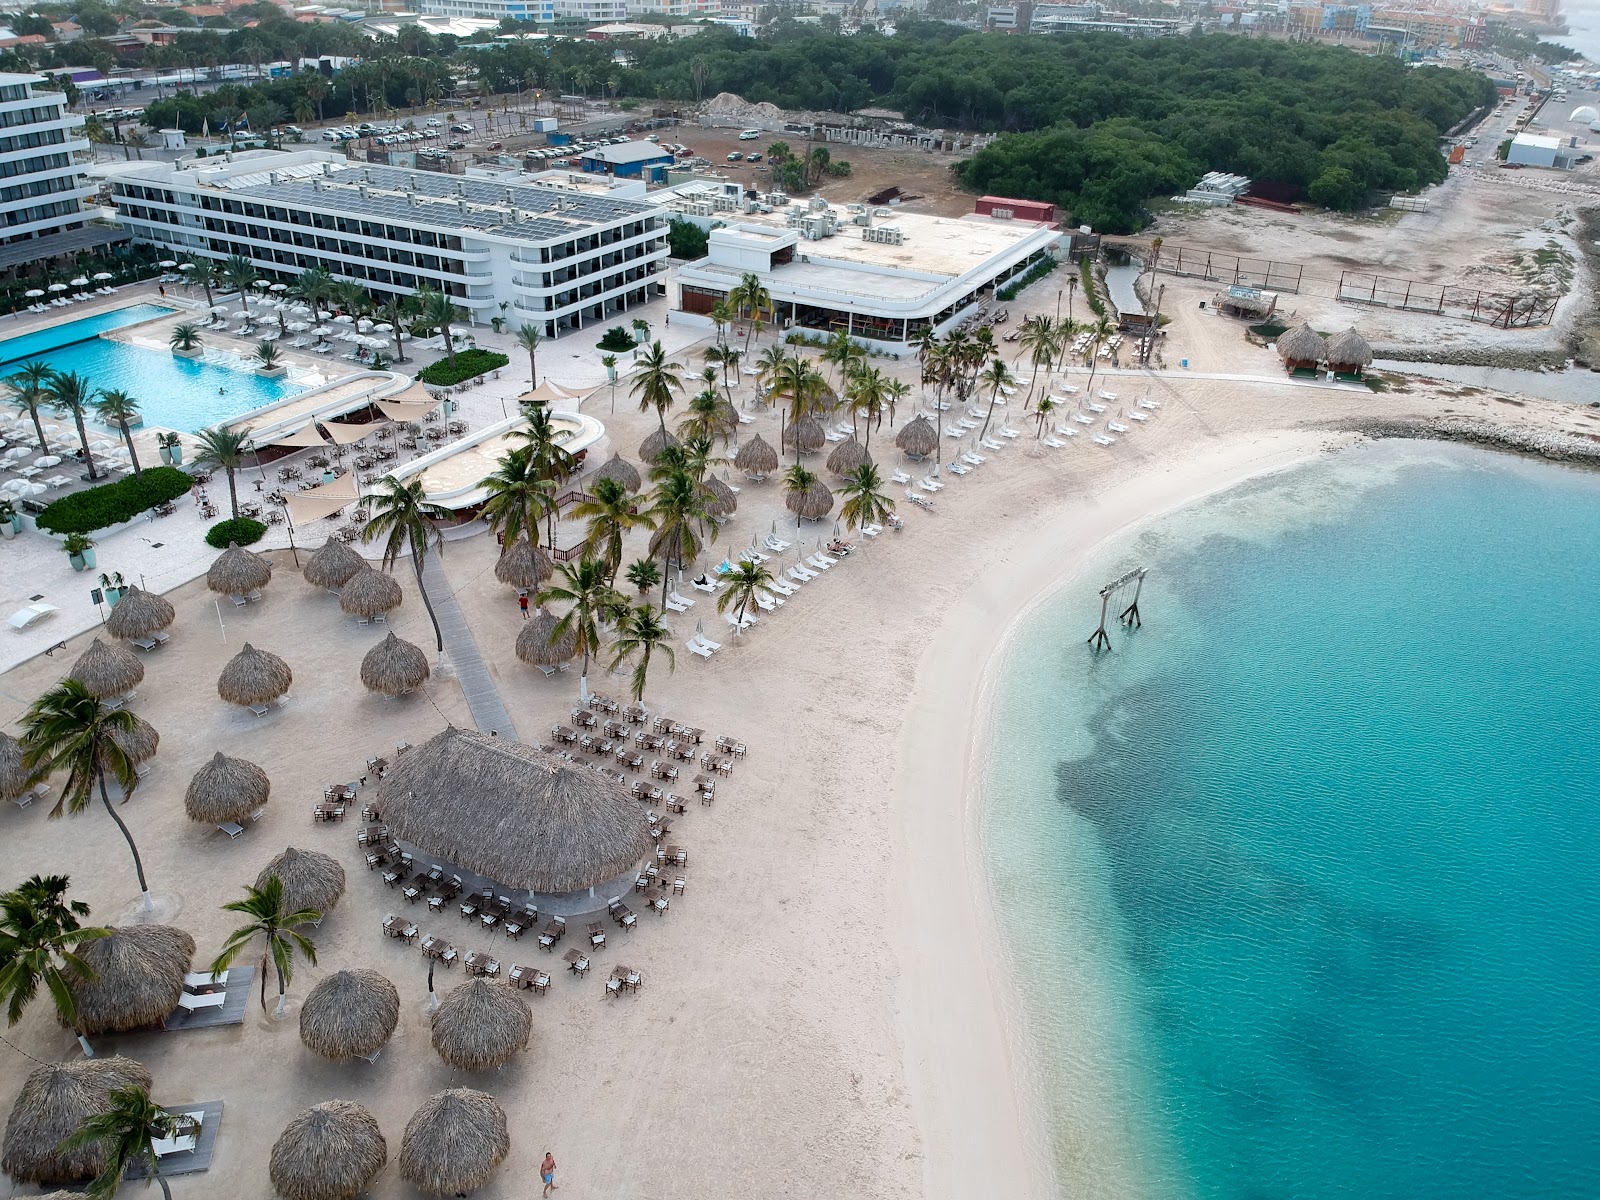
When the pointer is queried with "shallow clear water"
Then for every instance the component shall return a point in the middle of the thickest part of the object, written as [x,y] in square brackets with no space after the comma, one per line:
[173,393]
[1311,855]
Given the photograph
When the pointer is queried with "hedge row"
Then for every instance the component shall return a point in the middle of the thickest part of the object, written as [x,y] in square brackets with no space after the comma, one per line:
[112,503]
[1038,271]
[242,532]
[468,363]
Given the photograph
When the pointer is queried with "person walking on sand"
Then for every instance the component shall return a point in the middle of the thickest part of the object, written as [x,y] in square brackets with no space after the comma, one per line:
[522,603]
[547,1172]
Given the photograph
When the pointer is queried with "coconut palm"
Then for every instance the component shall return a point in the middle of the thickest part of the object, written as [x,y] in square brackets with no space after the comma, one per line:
[865,503]
[31,384]
[744,581]
[39,938]
[1098,333]
[397,310]
[1041,342]
[547,458]
[1046,406]
[121,411]
[721,315]
[843,352]
[350,297]
[73,393]
[797,481]
[68,729]
[403,516]
[641,632]
[709,416]
[238,272]
[678,508]
[644,574]
[584,587]
[185,337]
[313,286]
[267,916]
[204,272]
[224,449]
[750,299]
[866,392]
[656,382]
[995,376]
[770,363]
[611,513]
[894,391]
[438,312]
[518,497]
[266,355]
[128,1130]
[728,358]
[528,338]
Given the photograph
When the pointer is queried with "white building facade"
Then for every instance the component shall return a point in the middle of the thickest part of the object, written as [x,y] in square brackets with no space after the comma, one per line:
[518,10]
[556,258]
[42,185]
[675,8]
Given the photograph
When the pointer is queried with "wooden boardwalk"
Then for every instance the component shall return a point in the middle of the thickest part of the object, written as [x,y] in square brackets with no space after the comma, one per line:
[489,712]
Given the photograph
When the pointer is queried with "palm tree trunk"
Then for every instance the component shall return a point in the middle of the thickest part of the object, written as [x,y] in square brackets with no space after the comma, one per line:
[138,863]
[533,366]
[127,437]
[449,341]
[987,416]
[416,565]
[83,439]
[233,494]
[207,285]
[38,427]
[283,996]
[399,342]
[166,1192]
[266,955]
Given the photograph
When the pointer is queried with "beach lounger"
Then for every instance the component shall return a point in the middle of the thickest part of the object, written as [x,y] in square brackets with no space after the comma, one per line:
[832,436]
[706,642]
[955,431]
[1135,415]
[765,602]
[24,617]
[776,544]
[974,459]
[920,501]
[232,828]
[1053,443]
[782,588]
[899,477]
[190,1002]
[1101,439]
[956,468]
[1109,396]
[991,444]
[675,606]
[872,530]
[683,600]
[704,585]
[1116,427]
[1083,419]
[817,561]
[735,621]
[697,649]
[832,562]
[1095,408]
[1066,431]
[929,484]
[1148,403]
[1007,432]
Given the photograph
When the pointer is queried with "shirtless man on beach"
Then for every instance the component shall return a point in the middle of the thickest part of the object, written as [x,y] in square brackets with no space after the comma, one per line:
[547,1172]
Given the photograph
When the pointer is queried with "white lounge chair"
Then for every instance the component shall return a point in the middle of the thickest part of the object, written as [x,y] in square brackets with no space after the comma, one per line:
[765,602]
[675,606]
[782,588]
[697,649]
[733,620]
[190,1002]
[929,484]
[798,576]
[1101,439]
[776,544]
[704,584]
[1116,427]
[24,617]
[205,979]
[1135,415]
[872,530]
[1148,403]
[991,444]
[1053,443]
[1007,432]
[976,460]
[1095,408]
[1066,431]
[899,477]
[1083,419]
[706,642]
[920,501]
[954,431]
[821,557]
[956,468]
[681,599]
[1111,397]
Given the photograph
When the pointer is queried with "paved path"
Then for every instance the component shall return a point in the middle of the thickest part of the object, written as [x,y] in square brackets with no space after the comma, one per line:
[483,698]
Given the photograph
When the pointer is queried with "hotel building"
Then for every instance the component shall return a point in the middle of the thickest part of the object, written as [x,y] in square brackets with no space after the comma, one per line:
[42,188]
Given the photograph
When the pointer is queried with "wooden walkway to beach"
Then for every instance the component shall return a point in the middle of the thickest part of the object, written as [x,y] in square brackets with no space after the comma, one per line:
[489,712]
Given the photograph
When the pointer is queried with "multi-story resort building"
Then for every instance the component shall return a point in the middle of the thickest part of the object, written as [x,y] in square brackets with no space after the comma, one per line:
[42,188]
[559,256]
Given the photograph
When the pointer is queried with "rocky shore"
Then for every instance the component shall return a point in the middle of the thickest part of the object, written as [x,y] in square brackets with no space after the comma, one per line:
[1559,447]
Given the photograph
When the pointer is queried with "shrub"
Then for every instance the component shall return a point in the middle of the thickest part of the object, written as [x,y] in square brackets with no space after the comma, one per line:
[112,503]
[242,532]
[468,364]
[616,340]
[1038,271]
[686,240]
[1086,270]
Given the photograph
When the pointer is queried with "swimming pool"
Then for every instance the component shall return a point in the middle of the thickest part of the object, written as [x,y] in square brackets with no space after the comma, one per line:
[173,393]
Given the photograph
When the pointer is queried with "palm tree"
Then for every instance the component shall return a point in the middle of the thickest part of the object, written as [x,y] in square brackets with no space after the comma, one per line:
[518,497]
[397,310]
[31,384]
[204,272]
[185,337]
[439,313]
[403,515]
[797,481]
[238,272]
[866,393]
[1046,406]
[583,586]
[1099,332]
[1042,342]
[706,418]
[657,380]
[995,376]
[120,410]
[266,355]
[744,581]
[225,449]
[770,364]
[68,729]
[721,316]
[678,510]
[641,631]
[865,503]
[128,1130]
[894,391]
[314,286]
[547,458]
[644,574]
[266,915]
[611,513]
[74,394]
[842,351]
[528,338]
[750,299]
[39,937]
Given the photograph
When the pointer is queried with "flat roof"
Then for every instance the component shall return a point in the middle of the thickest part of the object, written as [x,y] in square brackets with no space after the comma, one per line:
[1534,139]
[930,245]
[628,152]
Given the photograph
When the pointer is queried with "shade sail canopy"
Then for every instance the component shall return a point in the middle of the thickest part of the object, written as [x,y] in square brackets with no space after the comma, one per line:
[412,404]
[306,435]
[324,500]
[344,435]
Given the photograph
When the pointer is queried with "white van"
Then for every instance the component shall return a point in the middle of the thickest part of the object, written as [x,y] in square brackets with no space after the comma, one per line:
[749,135]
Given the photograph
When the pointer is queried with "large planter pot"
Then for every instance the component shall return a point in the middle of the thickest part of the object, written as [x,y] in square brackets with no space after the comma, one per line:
[272,372]
[166,455]
[82,562]
[448,407]
[112,596]
[176,455]
[190,354]
[7,530]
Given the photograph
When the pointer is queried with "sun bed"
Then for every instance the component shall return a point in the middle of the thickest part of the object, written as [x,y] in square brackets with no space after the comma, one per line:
[24,617]
[191,1002]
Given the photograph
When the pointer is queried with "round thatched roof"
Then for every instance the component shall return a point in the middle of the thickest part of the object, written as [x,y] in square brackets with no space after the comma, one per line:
[1301,344]
[394,667]
[329,1152]
[918,438]
[523,565]
[755,457]
[807,433]
[254,677]
[332,564]
[107,670]
[311,879]
[1347,349]
[13,779]
[812,504]
[236,571]
[139,614]
[53,1100]
[624,472]
[226,789]
[650,449]
[480,1025]
[453,1142]
[139,743]
[138,977]
[537,644]
[368,593]
[512,813]
[847,456]
[726,420]
[722,502]
[349,1013]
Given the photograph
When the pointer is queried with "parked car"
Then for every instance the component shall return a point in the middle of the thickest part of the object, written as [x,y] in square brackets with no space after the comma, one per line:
[461,128]
[755,158]
[458,144]
[750,135]
[735,157]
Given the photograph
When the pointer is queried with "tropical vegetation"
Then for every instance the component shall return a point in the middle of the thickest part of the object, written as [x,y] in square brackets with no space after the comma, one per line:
[112,503]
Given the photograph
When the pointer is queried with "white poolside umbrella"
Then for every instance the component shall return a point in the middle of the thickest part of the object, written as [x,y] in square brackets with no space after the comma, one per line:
[58,287]
[47,460]
[187,267]
[34,293]
[102,276]
[32,489]
[167,262]
[81,281]
[364,325]
[344,319]
[280,287]
[298,327]
[263,284]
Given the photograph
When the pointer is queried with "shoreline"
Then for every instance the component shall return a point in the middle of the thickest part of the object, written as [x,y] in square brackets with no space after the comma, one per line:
[983,1128]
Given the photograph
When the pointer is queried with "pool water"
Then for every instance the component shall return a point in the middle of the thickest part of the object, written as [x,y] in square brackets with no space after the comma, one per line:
[173,393]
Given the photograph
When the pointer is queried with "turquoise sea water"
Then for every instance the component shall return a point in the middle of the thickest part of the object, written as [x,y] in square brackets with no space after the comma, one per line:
[173,393]
[1300,879]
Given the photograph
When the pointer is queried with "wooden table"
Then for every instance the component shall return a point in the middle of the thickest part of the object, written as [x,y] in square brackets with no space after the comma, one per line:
[577,961]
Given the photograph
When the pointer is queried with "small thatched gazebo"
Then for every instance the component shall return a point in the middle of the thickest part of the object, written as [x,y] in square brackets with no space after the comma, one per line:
[523,565]
[369,593]
[139,614]
[1301,349]
[538,645]
[624,472]
[480,1025]
[254,677]
[453,1142]
[1347,353]
[54,1099]
[350,1014]
[138,977]
[918,438]
[226,789]
[756,458]
[14,780]
[107,670]
[329,1152]
[332,565]
[236,572]
[812,504]
[139,743]
[722,502]
[311,879]
[394,667]
[652,447]
[847,456]
[807,433]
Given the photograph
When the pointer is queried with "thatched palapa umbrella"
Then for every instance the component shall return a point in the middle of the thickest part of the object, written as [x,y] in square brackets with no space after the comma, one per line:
[138,977]
[14,780]
[54,1100]
[538,645]
[480,1025]
[236,571]
[311,879]
[523,565]
[226,789]
[331,565]
[812,504]
[107,670]
[394,667]
[139,743]
[350,1014]
[651,448]
[1302,346]
[847,456]
[139,614]
[756,458]
[368,593]
[1347,353]
[722,503]
[453,1142]
[254,677]
[329,1152]
[918,438]
[807,433]
[624,472]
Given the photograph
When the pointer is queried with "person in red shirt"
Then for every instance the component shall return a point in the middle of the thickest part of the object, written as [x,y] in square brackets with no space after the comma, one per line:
[522,603]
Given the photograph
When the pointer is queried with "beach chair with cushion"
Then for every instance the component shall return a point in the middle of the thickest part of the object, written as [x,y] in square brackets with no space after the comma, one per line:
[189,1002]
[696,649]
